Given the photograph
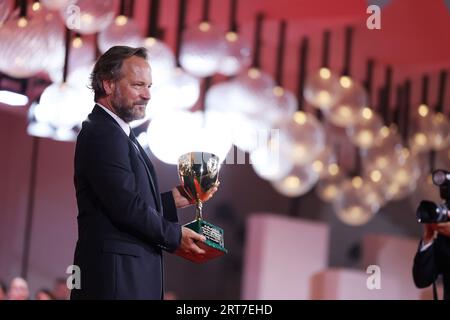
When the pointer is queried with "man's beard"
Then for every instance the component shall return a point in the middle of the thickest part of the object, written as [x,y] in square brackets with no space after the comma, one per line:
[128,112]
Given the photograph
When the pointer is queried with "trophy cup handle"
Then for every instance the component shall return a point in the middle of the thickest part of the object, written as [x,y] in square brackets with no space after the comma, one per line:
[198,210]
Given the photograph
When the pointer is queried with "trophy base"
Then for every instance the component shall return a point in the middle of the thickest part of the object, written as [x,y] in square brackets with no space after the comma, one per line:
[213,245]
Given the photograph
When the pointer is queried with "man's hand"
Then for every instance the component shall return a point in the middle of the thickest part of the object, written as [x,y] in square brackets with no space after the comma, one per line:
[182,199]
[443,228]
[188,242]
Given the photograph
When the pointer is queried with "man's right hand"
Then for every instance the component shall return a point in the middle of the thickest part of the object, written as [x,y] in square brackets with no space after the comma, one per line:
[188,242]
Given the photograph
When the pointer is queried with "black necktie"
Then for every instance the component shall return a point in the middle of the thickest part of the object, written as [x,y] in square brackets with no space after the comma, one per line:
[149,166]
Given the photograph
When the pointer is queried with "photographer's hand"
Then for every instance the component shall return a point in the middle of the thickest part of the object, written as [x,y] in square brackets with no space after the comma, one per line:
[443,228]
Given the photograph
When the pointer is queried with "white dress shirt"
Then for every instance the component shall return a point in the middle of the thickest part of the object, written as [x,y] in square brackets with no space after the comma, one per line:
[125,126]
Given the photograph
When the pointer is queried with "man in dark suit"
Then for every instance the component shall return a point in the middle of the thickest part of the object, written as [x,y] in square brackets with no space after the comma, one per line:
[124,223]
[433,257]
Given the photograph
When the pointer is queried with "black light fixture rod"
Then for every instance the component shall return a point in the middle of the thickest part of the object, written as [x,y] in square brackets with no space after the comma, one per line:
[182,7]
[205,10]
[280,53]
[326,49]
[256,63]
[441,91]
[347,51]
[302,72]
[233,25]
[152,28]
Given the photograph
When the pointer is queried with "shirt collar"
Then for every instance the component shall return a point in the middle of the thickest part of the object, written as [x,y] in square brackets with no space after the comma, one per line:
[125,126]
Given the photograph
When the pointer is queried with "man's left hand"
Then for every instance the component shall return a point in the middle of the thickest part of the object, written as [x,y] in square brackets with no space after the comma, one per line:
[182,199]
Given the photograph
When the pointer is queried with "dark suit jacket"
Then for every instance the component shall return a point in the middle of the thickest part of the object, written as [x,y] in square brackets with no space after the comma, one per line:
[123,221]
[433,261]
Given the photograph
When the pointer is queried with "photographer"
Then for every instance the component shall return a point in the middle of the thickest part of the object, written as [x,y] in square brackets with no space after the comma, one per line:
[433,257]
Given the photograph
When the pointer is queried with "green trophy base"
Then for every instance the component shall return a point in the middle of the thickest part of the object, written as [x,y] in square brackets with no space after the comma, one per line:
[213,244]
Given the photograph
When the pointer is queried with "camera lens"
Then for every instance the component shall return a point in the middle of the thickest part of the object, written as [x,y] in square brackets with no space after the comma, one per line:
[439,177]
[429,212]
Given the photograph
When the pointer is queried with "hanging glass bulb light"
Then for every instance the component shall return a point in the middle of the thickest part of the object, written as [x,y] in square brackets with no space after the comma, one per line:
[366,131]
[237,51]
[123,31]
[329,188]
[82,54]
[405,173]
[88,16]
[168,140]
[202,49]
[299,181]
[180,92]
[23,46]
[38,123]
[306,136]
[324,162]
[269,160]
[419,139]
[353,98]
[432,131]
[161,59]
[251,91]
[245,130]
[322,89]
[283,108]
[236,55]
[246,101]
[61,105]
[440,135]
[357,202]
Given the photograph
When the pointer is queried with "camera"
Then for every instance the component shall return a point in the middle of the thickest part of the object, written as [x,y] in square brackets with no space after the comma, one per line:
[430,212]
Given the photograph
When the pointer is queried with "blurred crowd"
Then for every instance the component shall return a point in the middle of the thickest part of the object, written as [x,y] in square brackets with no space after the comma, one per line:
[18,290]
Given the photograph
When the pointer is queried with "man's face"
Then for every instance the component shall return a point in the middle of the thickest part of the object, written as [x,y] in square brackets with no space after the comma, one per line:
[131,93]
[18,289]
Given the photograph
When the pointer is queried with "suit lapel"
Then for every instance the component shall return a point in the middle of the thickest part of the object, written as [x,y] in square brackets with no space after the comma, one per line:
[151,175]
[98,111]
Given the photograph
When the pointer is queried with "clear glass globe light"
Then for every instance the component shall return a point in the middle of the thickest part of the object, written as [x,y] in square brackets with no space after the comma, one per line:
[366,131]
[322,88]
[269,160]
[161,60]
[299,181]
[306,136]
[180,92]
[88,16]
[202,49]
[357,202]
[60,106]
[168,140]
[122,31]
[329,188]
[283,107]
[236,55]
[353,98]
[24,47]
[431,133]
[325,163]
[246,100]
